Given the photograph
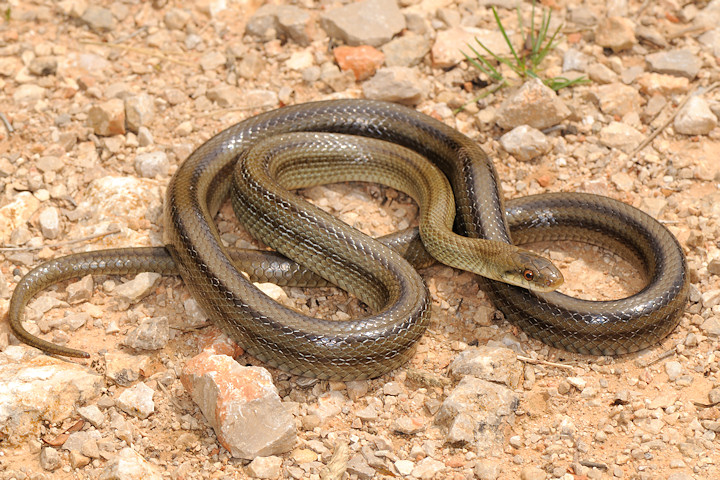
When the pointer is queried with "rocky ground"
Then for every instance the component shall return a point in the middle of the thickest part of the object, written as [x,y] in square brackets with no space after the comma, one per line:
[100,104]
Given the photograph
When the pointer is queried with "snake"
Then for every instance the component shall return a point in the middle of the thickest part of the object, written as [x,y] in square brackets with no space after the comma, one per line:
[386,338]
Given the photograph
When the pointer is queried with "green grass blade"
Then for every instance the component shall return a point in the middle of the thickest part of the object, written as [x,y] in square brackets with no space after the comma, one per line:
[505,36]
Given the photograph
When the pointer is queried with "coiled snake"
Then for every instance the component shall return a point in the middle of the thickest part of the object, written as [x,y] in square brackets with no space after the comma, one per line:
[371,346]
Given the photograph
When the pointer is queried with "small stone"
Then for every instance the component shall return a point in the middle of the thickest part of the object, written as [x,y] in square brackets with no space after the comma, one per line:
[525,143]
[616,33]
[176,18]
[695,118]
[363,60]
[599,73]
[711,327]
[358,466]
[281,21]
[265,467]
[98,18]
[680,62]
[129,465]
[532,473]
[575,60]
[152,164]
[618,99]
[28,93]
[123,369]
[138,288]
[621,136]
[404,467]
[212,60]
[50,459]
[534,104]
[137,401]
[80,291]
[368,22]
[406,51]
[49,220]
[395,84]
[144,136]
[622,181]
[674,370]
[151,334]
[407,425]
[92,414]
[139,111]
[107,118]
[713,266]
[43,66]
[428,468]
[225,96]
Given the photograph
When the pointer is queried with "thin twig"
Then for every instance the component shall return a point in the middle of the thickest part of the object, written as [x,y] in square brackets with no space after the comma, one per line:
[544,362]
[6,122]
[667,122]
[145,51]
[60,244]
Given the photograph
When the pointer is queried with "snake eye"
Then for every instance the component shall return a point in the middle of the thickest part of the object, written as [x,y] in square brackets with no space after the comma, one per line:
[528,275]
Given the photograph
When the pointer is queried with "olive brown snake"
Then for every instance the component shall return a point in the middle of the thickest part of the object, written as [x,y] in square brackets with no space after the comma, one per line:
[371,346]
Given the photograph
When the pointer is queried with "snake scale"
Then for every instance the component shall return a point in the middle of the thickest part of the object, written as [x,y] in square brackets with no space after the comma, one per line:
[370,346]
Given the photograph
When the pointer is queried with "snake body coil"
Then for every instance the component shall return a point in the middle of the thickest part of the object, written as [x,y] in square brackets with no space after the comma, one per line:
[374,345]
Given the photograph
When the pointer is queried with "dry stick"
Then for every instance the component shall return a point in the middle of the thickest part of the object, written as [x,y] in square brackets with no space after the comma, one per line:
[544,362]
[667,122]
[6,122]
[60,244]
[145,51]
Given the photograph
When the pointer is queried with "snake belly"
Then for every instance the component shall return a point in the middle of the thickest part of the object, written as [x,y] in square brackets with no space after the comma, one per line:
[369,347]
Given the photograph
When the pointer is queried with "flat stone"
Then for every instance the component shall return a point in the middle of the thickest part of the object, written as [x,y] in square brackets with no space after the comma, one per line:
[533,104]
[395,84]
[368,22]
[621,136]
[525,143]
[616,33]
[695,118]
[680,62]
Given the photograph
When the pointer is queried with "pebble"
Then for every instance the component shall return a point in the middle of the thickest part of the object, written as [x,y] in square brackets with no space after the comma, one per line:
[138,288]
[152,164]
[532,473]
[265,467]
[674,370]
[680,62]
[139,111]
[151,334]
[137,400]
[49,220]
[363,61]
[711,327]
[368,22]
[618,99]
[406,51]
[615,33]
[98,18]
[525,143]
[621,136]
[129,465]
[695,118]
[107,118]
[281,21]
[28,94]
[533,104]
[395,84]
[92,414]
[50,459]
[404,467]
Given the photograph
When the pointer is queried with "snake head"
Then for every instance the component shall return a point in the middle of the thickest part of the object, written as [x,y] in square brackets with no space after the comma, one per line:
[532,271]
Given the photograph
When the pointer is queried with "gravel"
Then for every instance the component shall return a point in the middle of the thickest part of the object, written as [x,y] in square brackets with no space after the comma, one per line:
[105,101]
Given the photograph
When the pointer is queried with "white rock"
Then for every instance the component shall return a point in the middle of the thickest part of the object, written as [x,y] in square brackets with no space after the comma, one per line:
[35,388]
[137,401]
[525,143]
[49,220]
[129,465]
[695,118]
[242,405]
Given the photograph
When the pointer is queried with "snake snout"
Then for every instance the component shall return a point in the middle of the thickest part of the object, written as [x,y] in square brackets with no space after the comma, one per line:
[534,273]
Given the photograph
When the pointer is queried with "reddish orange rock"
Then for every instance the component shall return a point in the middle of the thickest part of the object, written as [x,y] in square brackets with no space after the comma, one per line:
[363,60]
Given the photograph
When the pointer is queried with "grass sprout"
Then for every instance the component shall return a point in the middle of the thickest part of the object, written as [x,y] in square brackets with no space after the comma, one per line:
[524,62]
